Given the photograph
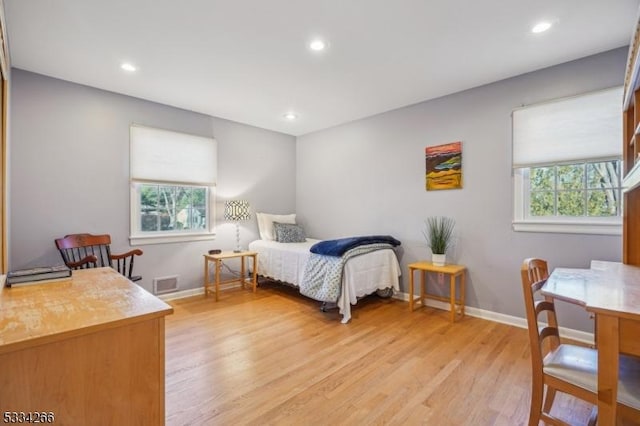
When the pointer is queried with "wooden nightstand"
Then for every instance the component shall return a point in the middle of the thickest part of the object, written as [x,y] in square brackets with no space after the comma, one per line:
[214,287]
[452,270]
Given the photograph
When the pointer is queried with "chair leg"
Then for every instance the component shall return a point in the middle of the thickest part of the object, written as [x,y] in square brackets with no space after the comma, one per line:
[548,399]
[536,402]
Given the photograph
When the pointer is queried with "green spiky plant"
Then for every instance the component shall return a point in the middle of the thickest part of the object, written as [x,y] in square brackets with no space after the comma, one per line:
[439,233]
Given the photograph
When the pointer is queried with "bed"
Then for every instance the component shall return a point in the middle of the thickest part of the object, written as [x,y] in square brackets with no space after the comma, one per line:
[363,274]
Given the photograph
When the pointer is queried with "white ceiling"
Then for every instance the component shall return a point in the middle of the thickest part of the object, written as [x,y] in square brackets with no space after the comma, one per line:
[247,60]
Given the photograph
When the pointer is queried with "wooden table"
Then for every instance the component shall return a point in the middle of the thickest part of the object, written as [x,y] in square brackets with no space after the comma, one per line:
[217,259]
[612,292]
[89,350]
[453,271]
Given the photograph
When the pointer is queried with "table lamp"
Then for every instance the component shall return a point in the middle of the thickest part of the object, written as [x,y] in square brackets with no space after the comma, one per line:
[237,210]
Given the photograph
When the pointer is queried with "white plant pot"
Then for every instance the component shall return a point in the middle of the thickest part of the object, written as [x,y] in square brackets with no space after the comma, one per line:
[438,259]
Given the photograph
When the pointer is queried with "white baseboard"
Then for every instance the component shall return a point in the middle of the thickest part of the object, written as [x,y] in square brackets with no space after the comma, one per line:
[181,294]
[190,292]
[569,333]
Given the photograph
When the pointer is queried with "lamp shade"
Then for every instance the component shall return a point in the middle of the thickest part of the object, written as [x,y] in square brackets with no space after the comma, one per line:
[236,210]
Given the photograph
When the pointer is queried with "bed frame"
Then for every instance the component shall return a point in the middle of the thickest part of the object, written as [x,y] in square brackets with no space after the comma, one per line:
[374,272]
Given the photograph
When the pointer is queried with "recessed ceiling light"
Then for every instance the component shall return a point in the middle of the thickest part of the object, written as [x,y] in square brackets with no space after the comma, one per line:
[317,45]
[291,116]
[128,67]
[541,27]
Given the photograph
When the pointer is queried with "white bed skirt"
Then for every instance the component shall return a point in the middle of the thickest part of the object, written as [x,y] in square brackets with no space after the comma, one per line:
[362,275]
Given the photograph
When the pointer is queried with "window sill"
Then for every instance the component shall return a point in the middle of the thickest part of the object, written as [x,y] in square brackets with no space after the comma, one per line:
[137,240]
[594,228]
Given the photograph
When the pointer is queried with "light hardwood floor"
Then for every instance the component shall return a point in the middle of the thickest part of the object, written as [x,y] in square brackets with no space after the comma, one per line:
[273,358]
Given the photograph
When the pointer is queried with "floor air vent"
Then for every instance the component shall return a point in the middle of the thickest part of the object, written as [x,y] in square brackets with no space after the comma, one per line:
[165,284]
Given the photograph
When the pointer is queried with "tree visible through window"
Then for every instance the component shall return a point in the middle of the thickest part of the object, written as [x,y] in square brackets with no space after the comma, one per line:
[171,207]
[581,189]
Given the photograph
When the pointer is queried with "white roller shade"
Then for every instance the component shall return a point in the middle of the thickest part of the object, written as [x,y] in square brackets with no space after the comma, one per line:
[583,127]
[172,157]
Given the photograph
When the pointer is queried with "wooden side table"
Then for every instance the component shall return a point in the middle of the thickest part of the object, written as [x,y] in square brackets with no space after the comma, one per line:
[214,287]
[452,270]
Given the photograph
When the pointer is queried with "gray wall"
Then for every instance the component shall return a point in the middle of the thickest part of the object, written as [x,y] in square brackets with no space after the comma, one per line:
[368,177]
[69,173]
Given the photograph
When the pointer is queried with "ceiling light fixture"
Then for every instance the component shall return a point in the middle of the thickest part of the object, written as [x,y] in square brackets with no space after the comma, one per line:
[128,67]
[541,27]
[317,45]
[290,116]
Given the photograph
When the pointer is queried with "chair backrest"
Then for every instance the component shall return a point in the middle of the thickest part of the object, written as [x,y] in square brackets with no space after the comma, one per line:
[534,275]
[80,251]
[77,249]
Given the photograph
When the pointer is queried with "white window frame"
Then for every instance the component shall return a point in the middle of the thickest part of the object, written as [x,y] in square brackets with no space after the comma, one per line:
[523,222]
[139,237]
[549,134]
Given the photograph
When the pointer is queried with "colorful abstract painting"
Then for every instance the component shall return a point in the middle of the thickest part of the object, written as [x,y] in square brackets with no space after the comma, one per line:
[444,166]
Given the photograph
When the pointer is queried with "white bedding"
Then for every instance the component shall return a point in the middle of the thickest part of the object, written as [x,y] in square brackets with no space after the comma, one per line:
[362,274]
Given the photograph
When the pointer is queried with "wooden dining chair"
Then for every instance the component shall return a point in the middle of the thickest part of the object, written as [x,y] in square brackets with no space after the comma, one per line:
[81,251]
[563,367]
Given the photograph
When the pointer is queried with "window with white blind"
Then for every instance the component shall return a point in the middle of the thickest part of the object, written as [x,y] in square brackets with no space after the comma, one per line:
[173,177]
[567,165]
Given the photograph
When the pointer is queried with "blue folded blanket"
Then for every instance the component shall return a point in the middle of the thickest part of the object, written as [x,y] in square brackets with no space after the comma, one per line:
[340,246]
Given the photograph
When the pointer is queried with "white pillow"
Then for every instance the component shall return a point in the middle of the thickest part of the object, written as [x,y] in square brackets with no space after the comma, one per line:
[265,223]
[261,225]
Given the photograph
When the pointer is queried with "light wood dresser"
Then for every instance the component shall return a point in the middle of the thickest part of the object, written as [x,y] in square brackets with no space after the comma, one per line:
[89,350]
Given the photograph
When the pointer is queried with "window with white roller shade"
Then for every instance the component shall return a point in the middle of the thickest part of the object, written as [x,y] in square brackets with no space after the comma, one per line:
[585,127]
[173,176]
[566,161]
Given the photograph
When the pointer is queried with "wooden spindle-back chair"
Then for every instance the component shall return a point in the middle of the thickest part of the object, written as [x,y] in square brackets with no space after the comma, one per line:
[563,367]
[81,251]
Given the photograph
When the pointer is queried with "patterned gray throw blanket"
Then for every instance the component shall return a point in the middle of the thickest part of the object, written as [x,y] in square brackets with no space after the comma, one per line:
[323,274]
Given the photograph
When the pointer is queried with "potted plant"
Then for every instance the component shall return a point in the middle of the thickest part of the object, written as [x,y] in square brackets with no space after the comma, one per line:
[439,236]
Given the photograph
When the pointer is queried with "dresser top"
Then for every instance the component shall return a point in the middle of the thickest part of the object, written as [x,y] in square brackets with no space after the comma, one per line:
[92,300]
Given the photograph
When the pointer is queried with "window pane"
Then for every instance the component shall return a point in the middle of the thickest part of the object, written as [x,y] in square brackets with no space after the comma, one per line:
[571,203]
[199,204]
[171,208]
[542,178]
[571,176]
[182,207]
[603,202]
[167,207]
[195,218]
[542,203]
[199,198]
[148,207]
[200,218]
[190,208]
[562,192]
[183,197]
[603,175]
